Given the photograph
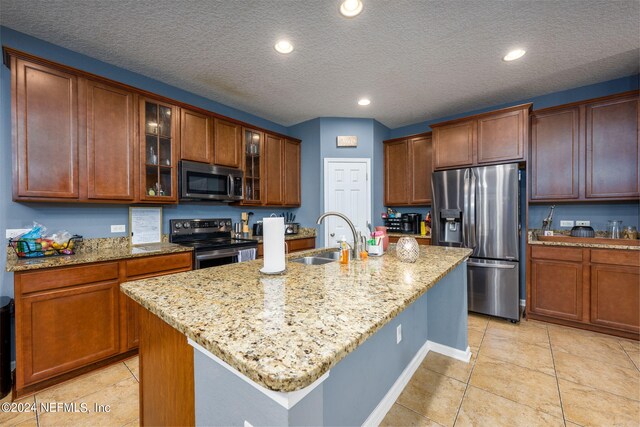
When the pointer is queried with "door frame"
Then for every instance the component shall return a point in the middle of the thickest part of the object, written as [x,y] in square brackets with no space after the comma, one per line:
[369,178]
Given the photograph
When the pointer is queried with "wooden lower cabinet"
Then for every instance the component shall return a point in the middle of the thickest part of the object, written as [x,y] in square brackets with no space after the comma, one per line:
[70,320]
[595,289]
[294,245]
[421,241]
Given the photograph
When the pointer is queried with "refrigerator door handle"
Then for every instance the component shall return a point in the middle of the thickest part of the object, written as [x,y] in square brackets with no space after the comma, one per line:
[500,266]
[473,242]
[465,209]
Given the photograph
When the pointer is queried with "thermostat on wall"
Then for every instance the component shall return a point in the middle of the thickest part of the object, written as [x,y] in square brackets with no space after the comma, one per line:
[347,141]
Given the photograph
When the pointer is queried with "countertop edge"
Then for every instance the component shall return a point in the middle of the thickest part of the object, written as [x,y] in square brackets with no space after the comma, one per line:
[293,383]
[584,245]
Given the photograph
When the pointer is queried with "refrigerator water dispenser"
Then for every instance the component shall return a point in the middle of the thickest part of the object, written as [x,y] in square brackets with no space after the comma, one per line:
[450,226]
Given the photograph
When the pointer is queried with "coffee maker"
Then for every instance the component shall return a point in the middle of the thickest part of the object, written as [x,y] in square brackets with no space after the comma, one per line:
[411,223]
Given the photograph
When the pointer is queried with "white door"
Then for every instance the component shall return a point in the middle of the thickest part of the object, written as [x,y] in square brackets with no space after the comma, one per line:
[346,190]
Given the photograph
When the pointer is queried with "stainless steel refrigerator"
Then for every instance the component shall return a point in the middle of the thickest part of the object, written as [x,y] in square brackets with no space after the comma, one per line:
[478,208]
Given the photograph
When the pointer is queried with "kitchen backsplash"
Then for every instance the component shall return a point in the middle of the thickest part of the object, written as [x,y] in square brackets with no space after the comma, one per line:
[598,213]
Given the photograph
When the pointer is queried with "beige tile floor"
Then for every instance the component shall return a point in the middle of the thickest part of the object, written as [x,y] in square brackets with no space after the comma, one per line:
[528,374]
[114,387]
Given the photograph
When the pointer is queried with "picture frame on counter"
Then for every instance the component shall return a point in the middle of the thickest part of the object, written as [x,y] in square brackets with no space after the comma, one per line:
[145,225]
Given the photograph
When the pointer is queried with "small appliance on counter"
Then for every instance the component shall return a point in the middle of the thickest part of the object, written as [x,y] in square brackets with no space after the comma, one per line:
[291,228]
[411,223]
[257,228]
[394,225]
[582,231]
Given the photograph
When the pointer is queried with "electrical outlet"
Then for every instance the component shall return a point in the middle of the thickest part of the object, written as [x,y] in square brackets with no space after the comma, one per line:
[399,334]
[586,223]
[15,232]
[566,223]
[120,228]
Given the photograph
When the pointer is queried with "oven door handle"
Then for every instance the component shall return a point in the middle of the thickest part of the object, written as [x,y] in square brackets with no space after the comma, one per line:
[216,254]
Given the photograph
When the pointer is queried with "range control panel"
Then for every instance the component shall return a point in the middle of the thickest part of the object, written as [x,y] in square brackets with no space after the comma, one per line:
[199,226]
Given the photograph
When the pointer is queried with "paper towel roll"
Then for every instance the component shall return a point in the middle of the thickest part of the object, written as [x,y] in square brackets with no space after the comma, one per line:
[273,245]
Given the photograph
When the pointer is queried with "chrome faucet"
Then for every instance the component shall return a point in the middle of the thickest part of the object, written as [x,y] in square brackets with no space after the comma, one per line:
[357,243]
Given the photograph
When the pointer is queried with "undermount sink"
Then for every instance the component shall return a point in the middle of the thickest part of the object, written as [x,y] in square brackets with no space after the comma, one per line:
[319,259]
[312,260]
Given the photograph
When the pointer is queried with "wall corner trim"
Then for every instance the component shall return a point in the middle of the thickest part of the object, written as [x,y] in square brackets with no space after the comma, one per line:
[285,399]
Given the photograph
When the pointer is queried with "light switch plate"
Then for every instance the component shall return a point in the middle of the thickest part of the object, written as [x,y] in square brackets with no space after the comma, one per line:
[15,232]
[566,223]
[120,228]
[586,223]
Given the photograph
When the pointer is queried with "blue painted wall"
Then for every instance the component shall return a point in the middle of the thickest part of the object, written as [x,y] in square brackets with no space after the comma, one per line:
[549,100]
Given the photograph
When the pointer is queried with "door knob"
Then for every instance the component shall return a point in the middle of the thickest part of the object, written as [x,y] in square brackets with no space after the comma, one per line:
[332,234]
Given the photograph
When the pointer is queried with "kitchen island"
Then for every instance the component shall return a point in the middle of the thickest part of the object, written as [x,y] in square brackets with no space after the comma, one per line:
[320,344]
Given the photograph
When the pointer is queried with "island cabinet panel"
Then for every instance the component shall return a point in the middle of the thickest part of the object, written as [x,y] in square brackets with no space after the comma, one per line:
[67,327]
[396,188]
[196,136]
[110,141]
[594,289]
[291,173]
[555,146]
[167,388]
[613,149]
[421,167]
[501,137]
[274,185]
[453,145]
[227,144]
[45,126]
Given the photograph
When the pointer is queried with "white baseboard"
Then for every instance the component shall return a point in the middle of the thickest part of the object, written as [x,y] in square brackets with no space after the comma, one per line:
[523,302]
[380,411]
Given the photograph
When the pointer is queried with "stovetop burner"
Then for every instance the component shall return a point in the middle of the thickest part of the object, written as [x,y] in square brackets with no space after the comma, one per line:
[206,234]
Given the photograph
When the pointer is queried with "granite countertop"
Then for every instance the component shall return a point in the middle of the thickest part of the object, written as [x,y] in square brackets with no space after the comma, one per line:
[532,239]
[93,250]
[285,331]
[303,233]
[416,236]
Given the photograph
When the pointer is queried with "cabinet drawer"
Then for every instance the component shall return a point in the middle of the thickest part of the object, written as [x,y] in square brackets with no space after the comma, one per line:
[157,264]
[616,257]
[47,279]
[556,253]
[301,244]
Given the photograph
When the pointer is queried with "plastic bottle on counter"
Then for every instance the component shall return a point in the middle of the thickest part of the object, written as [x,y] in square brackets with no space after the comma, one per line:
[344,251]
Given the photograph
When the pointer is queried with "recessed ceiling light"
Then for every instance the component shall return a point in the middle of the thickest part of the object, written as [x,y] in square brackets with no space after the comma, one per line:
[364,101]
[350,8]
[284,46]
[514,54]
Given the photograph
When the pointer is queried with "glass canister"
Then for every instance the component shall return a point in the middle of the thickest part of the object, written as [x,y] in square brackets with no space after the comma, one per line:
[630,232]
[615,229]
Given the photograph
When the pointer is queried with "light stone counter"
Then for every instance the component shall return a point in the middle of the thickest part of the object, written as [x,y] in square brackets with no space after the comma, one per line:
[93,250]
[285,331]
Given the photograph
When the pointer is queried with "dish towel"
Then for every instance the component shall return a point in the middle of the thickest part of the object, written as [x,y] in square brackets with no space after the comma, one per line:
[247,255]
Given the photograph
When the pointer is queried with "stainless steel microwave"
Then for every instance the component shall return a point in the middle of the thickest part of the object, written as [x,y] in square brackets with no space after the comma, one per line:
[200,181]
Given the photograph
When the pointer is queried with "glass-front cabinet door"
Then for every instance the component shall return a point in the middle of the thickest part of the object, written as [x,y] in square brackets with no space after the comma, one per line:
[253,178]
[158,151]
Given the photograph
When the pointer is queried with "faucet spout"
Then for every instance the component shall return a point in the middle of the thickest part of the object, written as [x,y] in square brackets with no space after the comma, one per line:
[357,244]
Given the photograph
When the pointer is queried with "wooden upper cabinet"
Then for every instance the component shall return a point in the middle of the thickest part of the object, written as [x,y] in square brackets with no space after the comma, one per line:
[453,144]
[612,148]
[396,182]
[420,159]
[110,141]
[501,137]
[45,124]
[555,147]
[253,167]
[292,173]
[227,143]
[159,146]
[274,185]
[196,136]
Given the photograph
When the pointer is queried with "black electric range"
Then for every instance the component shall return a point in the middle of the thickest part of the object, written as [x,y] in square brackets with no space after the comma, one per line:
[212,241]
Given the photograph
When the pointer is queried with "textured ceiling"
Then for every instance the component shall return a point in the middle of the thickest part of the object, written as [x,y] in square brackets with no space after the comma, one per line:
[416,60]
